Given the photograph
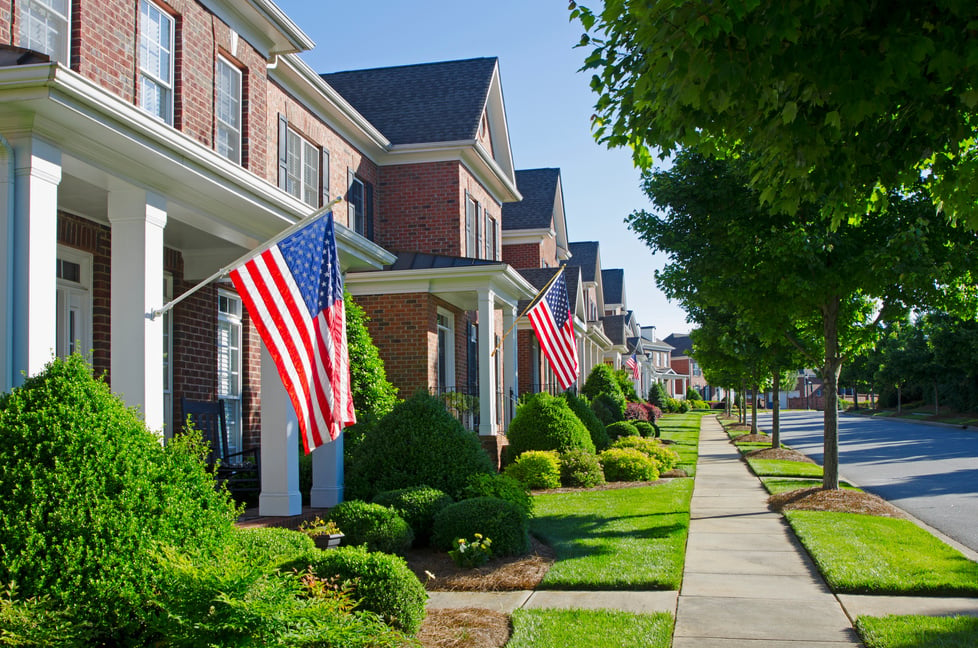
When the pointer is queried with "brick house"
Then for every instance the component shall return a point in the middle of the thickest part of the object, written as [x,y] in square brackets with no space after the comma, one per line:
[147,144]
[686,366]
[598,347]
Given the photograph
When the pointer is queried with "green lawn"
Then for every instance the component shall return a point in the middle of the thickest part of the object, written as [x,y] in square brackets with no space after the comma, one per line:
[865,554]
[590,629]
[918,632]
[684,429]
[783,468]
[776,485]
[627,538]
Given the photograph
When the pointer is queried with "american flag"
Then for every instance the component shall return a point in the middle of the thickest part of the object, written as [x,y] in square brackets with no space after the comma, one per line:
[552,321]
[632,363]
[294,294]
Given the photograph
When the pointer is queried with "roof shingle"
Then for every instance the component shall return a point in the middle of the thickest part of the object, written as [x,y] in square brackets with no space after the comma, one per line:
[539,190]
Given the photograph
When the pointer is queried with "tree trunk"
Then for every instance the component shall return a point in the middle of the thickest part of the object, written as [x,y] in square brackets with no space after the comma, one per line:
[937,405]
[899,399]
[872,399]
[776,412]
[742,402]
[753,409]
[830,387]
[855,396]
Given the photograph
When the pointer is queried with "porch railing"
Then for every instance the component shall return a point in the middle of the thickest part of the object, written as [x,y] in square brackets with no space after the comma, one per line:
[463,404]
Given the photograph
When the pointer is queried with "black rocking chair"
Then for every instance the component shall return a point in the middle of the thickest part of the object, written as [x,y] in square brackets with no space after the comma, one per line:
[239,471]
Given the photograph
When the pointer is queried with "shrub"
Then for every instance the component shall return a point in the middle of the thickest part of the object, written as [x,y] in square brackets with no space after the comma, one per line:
[658,396]
[418,506]
[627,464]
[497,519]
[602,380]
[270,546]
[636,412]
[644,428]
[89,496]
[621,429]
[547,422]
[653,413]
[536,469]
[699,404]
[580,407]
[376,526]
[471,553]
[692,394]
[684,406]
[417,444]
[624,379]
[664,458]
[502,486]
[373,395]
[607,409]
[673,406]
[381,582]
[580,469]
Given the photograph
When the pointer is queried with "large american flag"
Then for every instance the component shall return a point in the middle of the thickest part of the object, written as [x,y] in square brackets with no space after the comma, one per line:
[294,294]
[554,325]
[632,363]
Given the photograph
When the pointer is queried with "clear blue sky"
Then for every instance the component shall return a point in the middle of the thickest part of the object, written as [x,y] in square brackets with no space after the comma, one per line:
[548,105]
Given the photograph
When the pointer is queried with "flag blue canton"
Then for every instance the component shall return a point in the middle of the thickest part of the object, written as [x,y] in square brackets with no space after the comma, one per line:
[314,264]
[557,300]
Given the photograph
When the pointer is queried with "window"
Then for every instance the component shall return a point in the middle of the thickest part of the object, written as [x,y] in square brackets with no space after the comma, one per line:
[471,226]
[229,364]
[302,169]
[490,237]
[74,302]
[44,28]
[155,61]
[357,215]
[228,109]
[446,351]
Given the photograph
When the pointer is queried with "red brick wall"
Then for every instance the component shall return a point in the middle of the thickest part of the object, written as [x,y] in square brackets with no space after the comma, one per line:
[525,358]
[250,384]
[477,192]
[403,328]
[420,208]
[523,255]
[5,22]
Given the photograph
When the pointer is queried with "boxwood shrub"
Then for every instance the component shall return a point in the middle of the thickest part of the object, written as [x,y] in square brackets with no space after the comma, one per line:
[502,486]
[270,546]
[622,429]
[381,582]
[644,428]
[579,469]
[418,444]
[580,407]
[627,464]
[547,422]
[501,521]
[536,469]
[607,409]
[602,380]
[665,458]
[418,506]
[376,526]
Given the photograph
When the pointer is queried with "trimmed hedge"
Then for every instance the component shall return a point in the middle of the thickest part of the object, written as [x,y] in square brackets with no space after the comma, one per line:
[607,409]
[627,464]
[502,486]
[418,506]
[580,407]
[622,429]
[665,458]
[536,469]
[602,380]
[381,582]
[376,526]
[271,546]
[418,444]
[579,469]
[644,428]
[501,521]
[547,422]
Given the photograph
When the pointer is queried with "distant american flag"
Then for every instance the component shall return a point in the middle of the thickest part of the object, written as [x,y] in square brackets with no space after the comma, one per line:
[552,321]
[294,293]
[632,363]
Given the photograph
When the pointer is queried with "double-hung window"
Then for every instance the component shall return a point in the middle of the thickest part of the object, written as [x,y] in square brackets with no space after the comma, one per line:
[357,217]
[156,61]
[302,169]
[228,110]
[490,236]
[229,363]
[44,27]
[471,227]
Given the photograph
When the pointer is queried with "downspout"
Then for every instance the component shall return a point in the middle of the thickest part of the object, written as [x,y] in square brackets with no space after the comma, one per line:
[8,306]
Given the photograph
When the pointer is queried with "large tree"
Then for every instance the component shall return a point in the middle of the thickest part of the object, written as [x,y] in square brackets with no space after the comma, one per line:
[838,102]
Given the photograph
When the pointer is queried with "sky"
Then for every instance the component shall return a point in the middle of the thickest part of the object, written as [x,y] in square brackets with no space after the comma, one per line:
[548,107]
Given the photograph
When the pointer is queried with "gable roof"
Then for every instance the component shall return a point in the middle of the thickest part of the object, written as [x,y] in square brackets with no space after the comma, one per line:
[536,210]
[420,104]
[682,342]
[613,281]
[614,328]
[585,255]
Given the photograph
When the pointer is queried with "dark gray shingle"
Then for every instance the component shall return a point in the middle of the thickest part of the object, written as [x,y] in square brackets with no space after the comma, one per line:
[584,254]
[539,190]
[613,282]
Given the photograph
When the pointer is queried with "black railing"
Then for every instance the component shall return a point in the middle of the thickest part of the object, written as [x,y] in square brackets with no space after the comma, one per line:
[463,404]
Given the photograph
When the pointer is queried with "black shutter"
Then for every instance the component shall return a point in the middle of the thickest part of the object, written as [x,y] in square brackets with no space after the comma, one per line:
[368,208]
[325,180]
[472,349]
[283,151]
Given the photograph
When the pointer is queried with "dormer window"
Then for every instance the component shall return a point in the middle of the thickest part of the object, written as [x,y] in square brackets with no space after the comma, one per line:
[44,27]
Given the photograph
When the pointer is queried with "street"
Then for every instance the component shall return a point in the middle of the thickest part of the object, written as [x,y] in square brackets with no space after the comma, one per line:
[929,471]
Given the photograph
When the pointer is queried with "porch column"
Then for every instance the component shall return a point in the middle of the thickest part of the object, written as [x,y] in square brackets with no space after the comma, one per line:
[137,218]
[31,262]
[327,474]
[279,445]
[487,364]
[510,362]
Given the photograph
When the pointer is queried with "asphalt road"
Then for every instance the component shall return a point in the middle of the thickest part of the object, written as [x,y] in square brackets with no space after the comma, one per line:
[929,471]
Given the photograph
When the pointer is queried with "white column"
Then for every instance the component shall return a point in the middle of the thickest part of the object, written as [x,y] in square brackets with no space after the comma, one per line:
[327,474]
[137,218]
[7,175]
[510,362]
[279,445]
[34,250]
[487,365]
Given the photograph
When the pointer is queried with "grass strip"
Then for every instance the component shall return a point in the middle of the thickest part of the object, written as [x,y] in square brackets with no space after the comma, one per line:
[918,631]
[626,538]
[866,554]
[783,468]
[590,629]
[684,431]
[776,485]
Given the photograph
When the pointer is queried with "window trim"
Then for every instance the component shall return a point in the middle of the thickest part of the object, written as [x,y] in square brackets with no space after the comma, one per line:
[307,151]
[64,56]
[167,86]
[471,226]
[82,288]
[450,364]
[238,130]
[235,432]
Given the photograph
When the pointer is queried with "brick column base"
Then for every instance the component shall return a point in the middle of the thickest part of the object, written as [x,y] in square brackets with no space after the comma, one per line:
[493,445]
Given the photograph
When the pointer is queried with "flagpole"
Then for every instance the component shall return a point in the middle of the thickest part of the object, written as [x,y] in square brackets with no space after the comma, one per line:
[247,255]
[526,310]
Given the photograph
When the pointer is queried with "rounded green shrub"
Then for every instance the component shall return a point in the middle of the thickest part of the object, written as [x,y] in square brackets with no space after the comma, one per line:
[270,546]
[536,469]
[501,521]
[580,407]
[665,458]
[607,409]
[627,464]
[644,428]
[502,486]
[418,506]
[376,526]
[89,498]
[622,429]
[418,444]
[381,582]
[547,422]
[579,469]
[602,380]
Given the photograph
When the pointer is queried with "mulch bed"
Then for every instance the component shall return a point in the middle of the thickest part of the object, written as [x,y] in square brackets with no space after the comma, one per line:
[838,500]
[752,438]
[464,628]
[501,574]
[779,453]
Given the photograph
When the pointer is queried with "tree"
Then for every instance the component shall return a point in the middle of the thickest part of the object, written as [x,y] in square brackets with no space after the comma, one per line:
[838,103]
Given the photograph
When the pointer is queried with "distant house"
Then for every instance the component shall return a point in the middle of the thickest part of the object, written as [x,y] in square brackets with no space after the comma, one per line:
[686,366]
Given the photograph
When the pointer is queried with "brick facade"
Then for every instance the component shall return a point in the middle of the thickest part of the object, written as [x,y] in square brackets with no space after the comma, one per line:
[523,255]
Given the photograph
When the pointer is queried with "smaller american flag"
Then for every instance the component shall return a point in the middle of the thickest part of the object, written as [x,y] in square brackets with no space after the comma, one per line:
[552,321]
[632,363]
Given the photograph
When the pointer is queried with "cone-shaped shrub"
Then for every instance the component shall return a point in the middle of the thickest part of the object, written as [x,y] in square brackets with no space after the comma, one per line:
[602,380]
[580,407]
[547,422]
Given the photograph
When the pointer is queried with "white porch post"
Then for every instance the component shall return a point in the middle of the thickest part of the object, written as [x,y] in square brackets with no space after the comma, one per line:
[137,218]
[279,445]
[34,250]
[510,362]
[487,365]
[327,474]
